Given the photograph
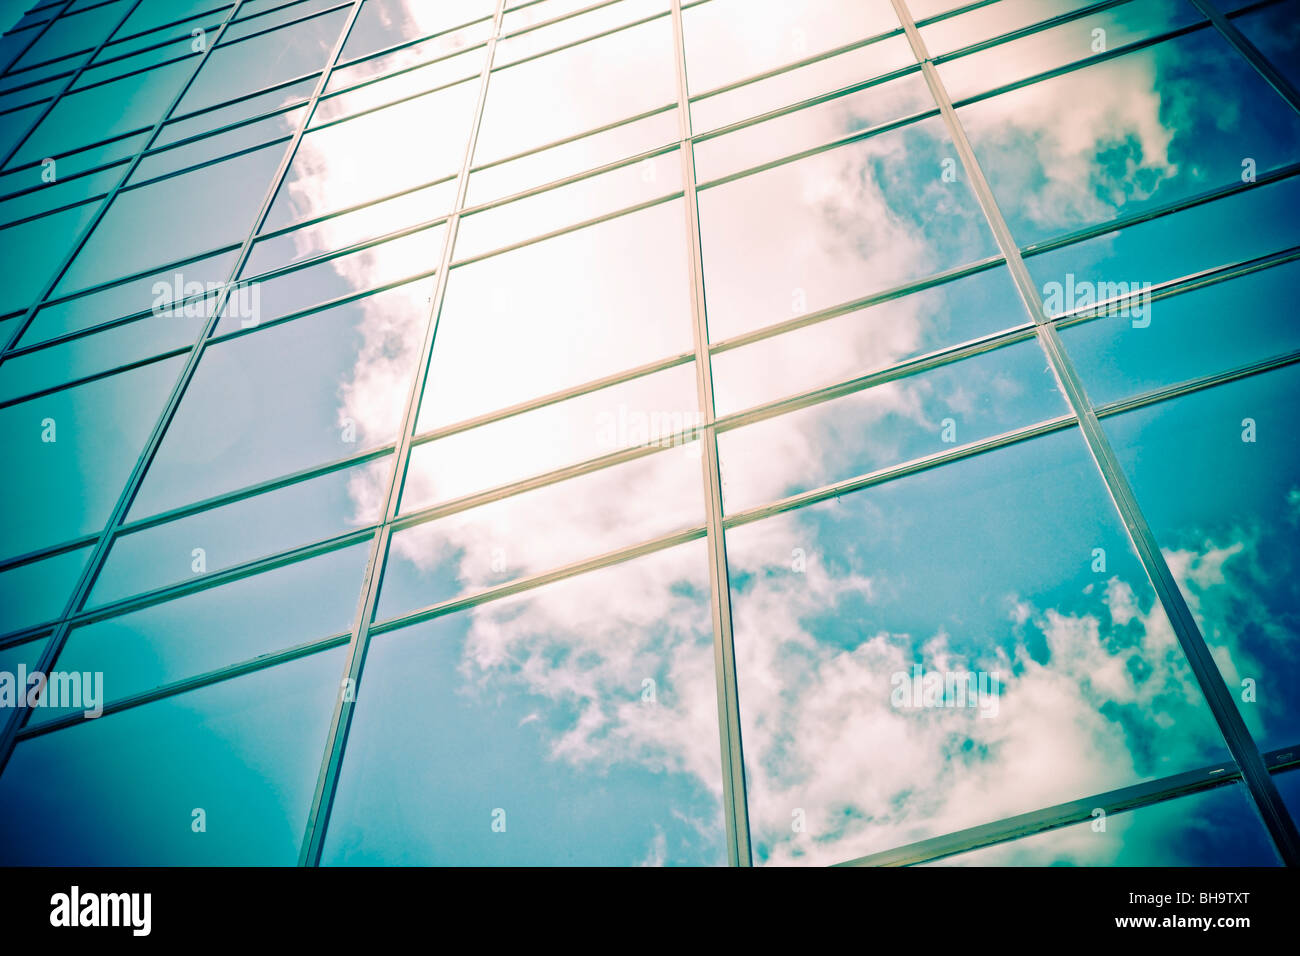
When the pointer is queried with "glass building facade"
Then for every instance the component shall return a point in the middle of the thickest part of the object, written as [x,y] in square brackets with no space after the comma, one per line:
[637,432]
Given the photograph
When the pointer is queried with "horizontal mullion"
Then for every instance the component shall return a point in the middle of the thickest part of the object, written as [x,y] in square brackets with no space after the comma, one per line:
[1139,795]
[532,582]
[948,355]
[845,140]
[553,398]
[207,679]
[893,472]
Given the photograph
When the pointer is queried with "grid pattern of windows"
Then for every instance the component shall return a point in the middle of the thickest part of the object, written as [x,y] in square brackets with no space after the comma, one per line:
[650,431]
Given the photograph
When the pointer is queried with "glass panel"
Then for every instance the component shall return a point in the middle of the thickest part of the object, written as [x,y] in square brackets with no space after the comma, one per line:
[811,126]
[33,251]
[75,447]
[202,123]
[27,654]
[151,14]
[1215,474]
[1257,222]
[246,530]
[1288,784]
[542,529]
[289,397]
[385,23]
[554,314]
[949,649]
[1218,828]
[217,627]
[1054,170]
[343,275]
[37,592]
[920,415]
[587,706]
[563,206]
[846,69]
[377,154]
[648,409]
[420,79]
[219,203]
[99,112]
[251,528]
[156,291]
[347,229]
[435,48]
[865,340]
[992,20]
[1185,337]
[836,226]
[101,352]
[637,74]
[730,40]
[128,788]
[587,152]
[1076,42]
[247,66]
[210,148]
[569,30]
[1275,31]
[74,32]
[40,197]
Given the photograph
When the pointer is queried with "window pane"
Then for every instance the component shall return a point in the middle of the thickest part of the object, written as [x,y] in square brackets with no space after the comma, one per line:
[636,73]
[100,112]
[730,40]
[647,409]
[124,789]
[218,627]
[1185,337]
[811,126]
[219,203]
[1218,828]
[1151,134]
[319,388]
[255,527]
[37,592]
[542,529]
[865,340]
[1215,474]
[76,447]
[246,66]
[586,706]
[923,414]
[377,154]
[385,23]
[833,227]
[1046,669]
[1257,222]
[554,314]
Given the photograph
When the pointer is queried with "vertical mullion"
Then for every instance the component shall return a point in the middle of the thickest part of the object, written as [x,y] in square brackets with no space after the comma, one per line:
[1210,681]
[735,804]
[100,552]
[345,707]
[1251,52]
